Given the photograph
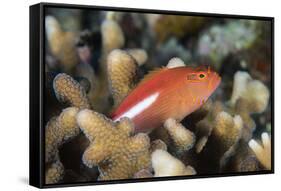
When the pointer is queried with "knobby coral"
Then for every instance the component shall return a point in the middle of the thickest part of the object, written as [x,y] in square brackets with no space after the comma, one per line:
[222,133]
[262,151]
[58,130]
[122,70]
[113,148]
[248,96]
[112,35]
[70,91]
[164,164]
[61,43]
[63,127]
[183,138]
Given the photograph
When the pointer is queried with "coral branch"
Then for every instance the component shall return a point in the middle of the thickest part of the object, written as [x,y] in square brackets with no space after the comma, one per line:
[54,173]
[117,154]
[254,92]
[262,151]
[61,43]
[164,164]
[183,138]
[122,69]
[139,55]
[70,91]
[60,129]
[112,35]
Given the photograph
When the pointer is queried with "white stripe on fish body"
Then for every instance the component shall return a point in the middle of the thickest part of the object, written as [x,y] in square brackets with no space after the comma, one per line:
[140,107]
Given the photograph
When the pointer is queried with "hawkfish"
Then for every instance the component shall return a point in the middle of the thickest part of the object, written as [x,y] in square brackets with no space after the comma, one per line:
[167,93]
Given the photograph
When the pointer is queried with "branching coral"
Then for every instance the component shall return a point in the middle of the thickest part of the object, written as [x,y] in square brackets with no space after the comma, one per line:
[54,172]
[221,137]
[61,43]
[114,151]
[112,35]
[205,126]
[248,96]
[262,151]
[63,127]
[164,164]
[58,130]
[224,135]
[254,92]
[227,130]
[122,69]
[70,91]
[117,153]
[183,138]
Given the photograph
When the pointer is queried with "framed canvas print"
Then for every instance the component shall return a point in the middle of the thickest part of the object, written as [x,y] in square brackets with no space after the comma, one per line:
[122,95]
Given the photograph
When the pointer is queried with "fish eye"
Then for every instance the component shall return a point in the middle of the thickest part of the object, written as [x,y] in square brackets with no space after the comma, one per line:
[201,76]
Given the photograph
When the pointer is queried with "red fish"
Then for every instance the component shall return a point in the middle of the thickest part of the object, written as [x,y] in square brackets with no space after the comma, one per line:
[167,93]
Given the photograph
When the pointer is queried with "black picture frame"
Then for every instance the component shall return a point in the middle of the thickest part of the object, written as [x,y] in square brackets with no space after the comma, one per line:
[37,54]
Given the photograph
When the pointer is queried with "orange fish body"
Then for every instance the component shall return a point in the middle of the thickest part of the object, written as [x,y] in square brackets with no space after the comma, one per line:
[167,93]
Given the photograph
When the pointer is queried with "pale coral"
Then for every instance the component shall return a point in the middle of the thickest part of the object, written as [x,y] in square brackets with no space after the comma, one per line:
[140,55]
[263,150]
[183,138]
[254,92]
[164,164]
[113,148]
[175,62]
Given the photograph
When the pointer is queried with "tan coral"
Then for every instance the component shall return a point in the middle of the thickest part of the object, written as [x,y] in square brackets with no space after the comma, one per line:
[205,126]
[70,91]
[113,148]
[164,164]
[112,35]
[254,92]
[183,138]
[228,128]
[60,129]
[248,96]
[262,151]
[122,69]
[54,173]
[61,43]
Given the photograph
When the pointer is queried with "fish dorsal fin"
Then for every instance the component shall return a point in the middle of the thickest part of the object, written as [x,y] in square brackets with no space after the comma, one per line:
[151,74]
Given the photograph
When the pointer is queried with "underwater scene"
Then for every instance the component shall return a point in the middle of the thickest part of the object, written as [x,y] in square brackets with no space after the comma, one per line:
[132,95]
